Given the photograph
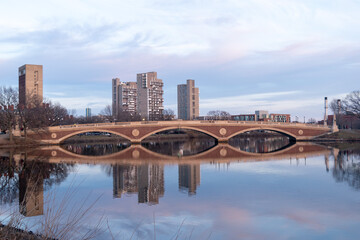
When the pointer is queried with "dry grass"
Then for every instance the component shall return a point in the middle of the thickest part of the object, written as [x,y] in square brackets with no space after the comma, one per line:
[60,220]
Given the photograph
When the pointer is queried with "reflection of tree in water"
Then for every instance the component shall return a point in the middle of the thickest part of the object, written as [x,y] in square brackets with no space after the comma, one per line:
[259,144]
[95,149]
[13,174]
[9,181]
[347,168]
[188,147]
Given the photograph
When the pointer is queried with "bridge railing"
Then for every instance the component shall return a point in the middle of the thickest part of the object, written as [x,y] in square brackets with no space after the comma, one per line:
[182,122]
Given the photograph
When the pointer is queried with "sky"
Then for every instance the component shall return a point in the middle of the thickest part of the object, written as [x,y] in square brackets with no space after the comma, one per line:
[283,56]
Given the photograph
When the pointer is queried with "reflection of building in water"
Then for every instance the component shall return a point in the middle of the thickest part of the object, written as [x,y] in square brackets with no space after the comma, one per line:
[31,195]
[151,183]
[190,146]
[346,167]
[147,180]
[189,177]
[258,144]
[124,180]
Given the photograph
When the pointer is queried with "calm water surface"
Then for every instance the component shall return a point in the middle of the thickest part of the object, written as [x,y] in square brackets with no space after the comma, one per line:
[250,189]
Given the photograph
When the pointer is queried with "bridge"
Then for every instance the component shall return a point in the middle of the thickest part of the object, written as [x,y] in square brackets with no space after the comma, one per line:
[135,132]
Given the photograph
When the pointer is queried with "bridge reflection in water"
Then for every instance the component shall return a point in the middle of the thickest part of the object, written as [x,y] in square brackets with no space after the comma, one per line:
[136,154]
[137,170]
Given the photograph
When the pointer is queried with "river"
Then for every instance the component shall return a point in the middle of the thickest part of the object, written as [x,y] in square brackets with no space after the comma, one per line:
[251,188]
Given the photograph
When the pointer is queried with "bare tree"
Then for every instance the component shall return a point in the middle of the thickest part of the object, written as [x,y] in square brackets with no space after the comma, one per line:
[219,115]
[8,102]
[27,114]
[311,121]
[168,114]
[352,103]
[107,113]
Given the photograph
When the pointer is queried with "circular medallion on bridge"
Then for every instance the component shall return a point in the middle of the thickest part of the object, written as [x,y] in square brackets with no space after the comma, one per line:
[222,131]
[53,153]
[300,132]
[223,152]
[301,149]
[135,132]
[136,154]
[53,135]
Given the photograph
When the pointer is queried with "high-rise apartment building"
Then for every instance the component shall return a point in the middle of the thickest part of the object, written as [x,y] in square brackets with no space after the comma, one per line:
[124,97]
[149,96]
[30,83]
[188,100]
[88,112]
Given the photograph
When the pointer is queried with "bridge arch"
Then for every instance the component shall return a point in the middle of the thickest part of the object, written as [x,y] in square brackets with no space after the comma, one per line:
[286,133]
[97,130]
[179,127]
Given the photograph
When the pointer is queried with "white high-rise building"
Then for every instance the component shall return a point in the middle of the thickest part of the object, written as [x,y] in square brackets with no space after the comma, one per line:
[150,96]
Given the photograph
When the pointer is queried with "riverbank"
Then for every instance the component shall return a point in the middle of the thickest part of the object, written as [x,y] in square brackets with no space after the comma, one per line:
[7,232]
[347,135]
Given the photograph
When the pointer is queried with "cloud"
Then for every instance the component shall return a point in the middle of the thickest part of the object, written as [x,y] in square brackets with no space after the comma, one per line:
[80,103]
[249,47]
[56,94]
[290,102]
[251,100]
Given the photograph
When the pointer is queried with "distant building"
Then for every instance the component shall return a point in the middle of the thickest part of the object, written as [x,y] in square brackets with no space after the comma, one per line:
[276,117]
[124,97]
[343,121]
[261,115]
[188,100]
[30,83]
[244,117]
[88,112]
[149,96]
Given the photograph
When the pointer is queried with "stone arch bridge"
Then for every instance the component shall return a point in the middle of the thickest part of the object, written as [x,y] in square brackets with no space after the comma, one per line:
[137,131]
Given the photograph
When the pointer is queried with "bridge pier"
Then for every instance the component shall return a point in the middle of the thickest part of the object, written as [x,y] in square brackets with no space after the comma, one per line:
[135,142]
[222,140]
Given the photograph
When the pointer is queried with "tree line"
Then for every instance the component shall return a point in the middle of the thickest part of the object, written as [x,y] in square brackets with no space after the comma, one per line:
[350,105]
[35,114]
[38,113]
[347,110]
